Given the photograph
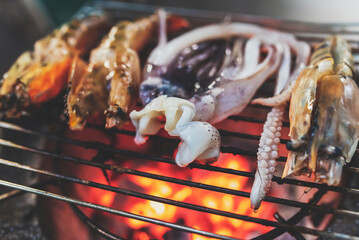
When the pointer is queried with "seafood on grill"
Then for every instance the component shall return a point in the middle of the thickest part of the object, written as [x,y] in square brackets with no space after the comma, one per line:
[199,140]
[324,114]
[219,68]
[270,137]
[40,75]
[110,82]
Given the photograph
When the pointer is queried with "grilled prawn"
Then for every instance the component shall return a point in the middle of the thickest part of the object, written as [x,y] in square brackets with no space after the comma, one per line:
[40,75]
[109,84]
[324,114]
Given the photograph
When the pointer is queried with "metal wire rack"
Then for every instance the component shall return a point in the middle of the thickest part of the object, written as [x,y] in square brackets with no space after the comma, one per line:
[309,32]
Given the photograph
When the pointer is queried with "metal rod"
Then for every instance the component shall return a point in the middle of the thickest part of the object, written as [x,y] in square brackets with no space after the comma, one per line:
[93,226]
[138,194]
[333,235]
[15,192]
[104,147]
[287,25]
[194,184]
[272,234]
[113,211]
[295,234]
[180,181]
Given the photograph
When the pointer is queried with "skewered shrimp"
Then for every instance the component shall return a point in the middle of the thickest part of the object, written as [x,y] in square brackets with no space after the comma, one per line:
[113,65]
[324,114]
[38,76]
[109,84]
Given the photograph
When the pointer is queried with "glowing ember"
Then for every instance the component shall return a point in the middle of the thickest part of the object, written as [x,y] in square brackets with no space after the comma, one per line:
[134,229]
[209,222]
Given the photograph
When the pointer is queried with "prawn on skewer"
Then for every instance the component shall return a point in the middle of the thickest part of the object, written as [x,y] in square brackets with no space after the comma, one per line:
[110,83]
[324,114]
[40,75]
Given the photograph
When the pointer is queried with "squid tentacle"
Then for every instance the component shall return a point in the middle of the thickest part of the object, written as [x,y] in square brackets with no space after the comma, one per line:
[276,100]
[267,155]
[199,140]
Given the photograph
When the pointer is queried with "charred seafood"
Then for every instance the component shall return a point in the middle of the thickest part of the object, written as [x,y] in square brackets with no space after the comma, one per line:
[219,67]
[324,114]
[110,82]
[40,75]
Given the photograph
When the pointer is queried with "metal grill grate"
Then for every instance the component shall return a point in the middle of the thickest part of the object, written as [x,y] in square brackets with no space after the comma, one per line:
[311,33]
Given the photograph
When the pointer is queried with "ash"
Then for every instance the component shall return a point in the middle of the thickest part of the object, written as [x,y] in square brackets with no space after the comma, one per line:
[18,219]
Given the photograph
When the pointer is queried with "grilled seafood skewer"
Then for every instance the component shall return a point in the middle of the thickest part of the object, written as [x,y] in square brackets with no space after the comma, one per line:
[110,81]
[324,114]
[38,76]
[109,84]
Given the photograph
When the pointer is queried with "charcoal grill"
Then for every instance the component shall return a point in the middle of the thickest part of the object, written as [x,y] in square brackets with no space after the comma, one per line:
[305,31]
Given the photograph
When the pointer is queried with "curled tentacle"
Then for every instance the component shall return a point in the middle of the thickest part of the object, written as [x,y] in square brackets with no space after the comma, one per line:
[267,155]
[209,66]
[268,146]
[303,52]
[199,140]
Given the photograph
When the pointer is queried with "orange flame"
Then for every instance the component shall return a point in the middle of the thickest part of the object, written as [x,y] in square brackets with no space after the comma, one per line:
[134,229]
[208,222]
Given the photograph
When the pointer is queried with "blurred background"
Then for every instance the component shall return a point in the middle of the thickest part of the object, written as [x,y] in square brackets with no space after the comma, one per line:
[24,21]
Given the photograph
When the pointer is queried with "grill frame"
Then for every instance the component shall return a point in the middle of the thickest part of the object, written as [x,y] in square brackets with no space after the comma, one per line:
[305,31]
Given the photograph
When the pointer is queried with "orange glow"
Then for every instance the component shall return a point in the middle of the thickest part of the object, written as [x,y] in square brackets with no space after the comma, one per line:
[207,222]
[169,213]
[49,81]
[107,199]
[143,236]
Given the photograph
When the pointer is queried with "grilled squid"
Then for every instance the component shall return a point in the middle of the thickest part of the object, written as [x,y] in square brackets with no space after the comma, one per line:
[199,140]
[324,114]
[270,137]
[40,75]
[218,67]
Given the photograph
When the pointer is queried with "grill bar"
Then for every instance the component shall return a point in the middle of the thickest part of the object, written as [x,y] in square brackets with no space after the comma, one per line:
[296,235]
[233,150]
[295,27]
[112,211]
[149,197]
[180,181]
[15,192]
[103,147]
